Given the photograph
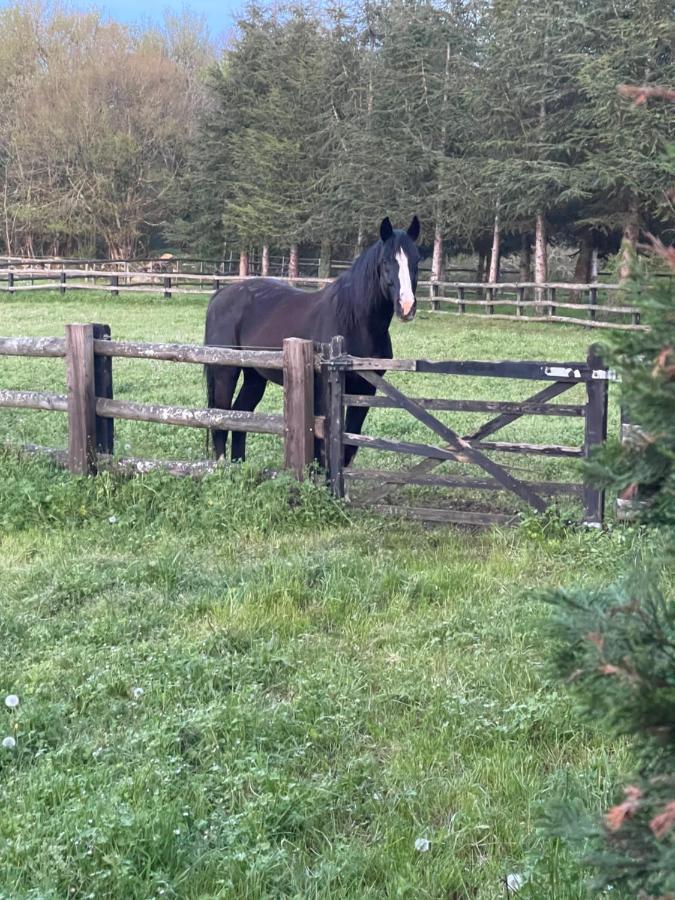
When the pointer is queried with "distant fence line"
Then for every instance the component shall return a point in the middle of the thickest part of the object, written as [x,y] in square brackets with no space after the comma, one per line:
[591,304]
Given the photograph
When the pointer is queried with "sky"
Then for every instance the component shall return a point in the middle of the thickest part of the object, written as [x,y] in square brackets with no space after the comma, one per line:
[218,14]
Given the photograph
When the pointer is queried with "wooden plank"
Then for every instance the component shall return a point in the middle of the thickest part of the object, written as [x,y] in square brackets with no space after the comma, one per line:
[189,353]
[444,516]
[230,419]
[131,465]
[595,433]
[407,447]
[573,372]
[335,417]
[59,457]
[81,399]
[298,405]
[33,400]
[46,346]
[535,449]
[358,363]
[460,482]
[103,387]
[472,454]
[526,407]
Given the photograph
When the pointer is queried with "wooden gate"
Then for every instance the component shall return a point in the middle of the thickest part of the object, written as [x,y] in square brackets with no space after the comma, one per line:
[475,449]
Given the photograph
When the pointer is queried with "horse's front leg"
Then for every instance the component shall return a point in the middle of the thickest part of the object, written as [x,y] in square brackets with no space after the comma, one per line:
[320,410]
[355,415]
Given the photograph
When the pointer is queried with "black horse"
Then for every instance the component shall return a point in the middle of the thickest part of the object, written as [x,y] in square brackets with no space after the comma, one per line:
[359,305]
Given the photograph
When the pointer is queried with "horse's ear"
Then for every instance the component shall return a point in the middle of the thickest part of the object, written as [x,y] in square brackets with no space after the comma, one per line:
[386,230]
[414,230]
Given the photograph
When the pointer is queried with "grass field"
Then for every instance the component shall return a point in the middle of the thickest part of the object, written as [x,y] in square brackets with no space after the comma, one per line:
[237,688]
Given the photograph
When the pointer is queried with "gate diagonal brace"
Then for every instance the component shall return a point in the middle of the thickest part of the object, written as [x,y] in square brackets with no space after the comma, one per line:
[472,455]
[488,428]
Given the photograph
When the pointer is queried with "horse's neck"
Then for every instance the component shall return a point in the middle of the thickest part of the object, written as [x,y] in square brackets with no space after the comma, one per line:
[362,309]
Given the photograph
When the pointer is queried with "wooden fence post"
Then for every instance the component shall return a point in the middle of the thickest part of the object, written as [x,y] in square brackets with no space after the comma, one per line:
[298,405]
[593,300]
[167,287]
[114,283]
[62,280]
[462,304]
[595,433]
[103,387]
[335,417]
[81,399]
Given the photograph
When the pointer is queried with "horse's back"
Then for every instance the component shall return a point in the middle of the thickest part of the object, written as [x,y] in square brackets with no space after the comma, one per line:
[259,313]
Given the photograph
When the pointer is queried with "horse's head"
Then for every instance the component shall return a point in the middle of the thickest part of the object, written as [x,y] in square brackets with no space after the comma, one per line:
[398,267]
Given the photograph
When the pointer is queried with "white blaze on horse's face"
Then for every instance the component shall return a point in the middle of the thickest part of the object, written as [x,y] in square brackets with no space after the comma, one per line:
[406,293]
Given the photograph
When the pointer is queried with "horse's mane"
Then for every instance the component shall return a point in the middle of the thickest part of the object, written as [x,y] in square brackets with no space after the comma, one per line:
[356,290]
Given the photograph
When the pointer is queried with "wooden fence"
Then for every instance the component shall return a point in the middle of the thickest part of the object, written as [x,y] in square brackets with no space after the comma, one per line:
[92,409]
[472,449]
[596,305]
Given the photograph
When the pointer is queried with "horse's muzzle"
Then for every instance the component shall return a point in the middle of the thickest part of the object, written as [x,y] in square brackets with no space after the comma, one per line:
[406,315]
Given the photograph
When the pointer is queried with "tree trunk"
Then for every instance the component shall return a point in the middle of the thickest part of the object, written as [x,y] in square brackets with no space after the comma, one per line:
[631,233]
[265,261]
[293,269]
[437,257]
[595,265]
[359,239]
[540,261]
[525,267]
[493,275]
[480,268]
[525,270]
[325,259]
[582,268]
[243,264]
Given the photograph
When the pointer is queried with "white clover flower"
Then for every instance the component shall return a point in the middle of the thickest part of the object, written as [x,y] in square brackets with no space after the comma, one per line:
[422,845]
[137,693]
[9,743]
[514,883]
[11,701]
[112,519]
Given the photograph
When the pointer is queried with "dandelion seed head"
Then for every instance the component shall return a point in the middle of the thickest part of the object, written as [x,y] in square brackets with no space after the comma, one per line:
[9,742]
[11,701]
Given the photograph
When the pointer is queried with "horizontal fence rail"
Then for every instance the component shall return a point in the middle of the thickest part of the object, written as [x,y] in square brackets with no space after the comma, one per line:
[595,304]
[91,408]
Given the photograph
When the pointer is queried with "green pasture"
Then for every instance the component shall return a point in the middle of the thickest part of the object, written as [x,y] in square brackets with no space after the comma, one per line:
[238,688]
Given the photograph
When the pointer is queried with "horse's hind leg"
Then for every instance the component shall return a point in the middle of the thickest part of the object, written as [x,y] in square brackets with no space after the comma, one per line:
[249,396]
[221,381]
